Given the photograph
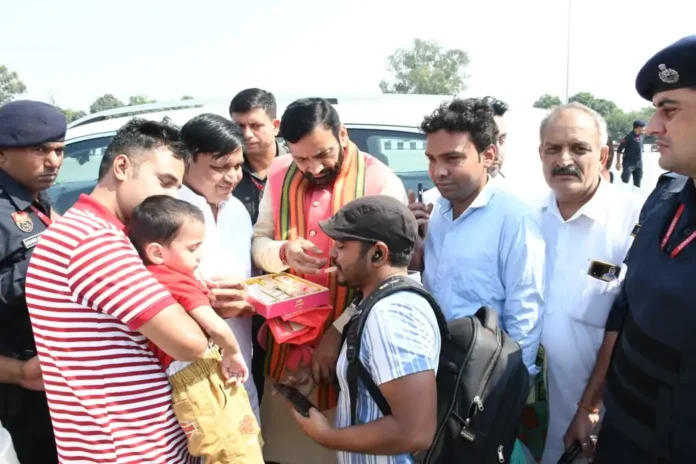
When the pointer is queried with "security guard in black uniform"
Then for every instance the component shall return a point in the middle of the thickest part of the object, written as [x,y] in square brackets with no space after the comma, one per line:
[31,153]
[650,396]
[631,153]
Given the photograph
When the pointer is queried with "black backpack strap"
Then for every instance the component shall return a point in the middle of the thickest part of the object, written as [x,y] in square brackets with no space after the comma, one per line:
[354,331]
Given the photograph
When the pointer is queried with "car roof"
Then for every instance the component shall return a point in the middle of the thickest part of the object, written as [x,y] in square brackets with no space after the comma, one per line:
[405,111]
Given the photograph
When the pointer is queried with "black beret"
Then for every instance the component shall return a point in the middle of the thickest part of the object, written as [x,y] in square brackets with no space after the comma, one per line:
[672,68]
[26,123]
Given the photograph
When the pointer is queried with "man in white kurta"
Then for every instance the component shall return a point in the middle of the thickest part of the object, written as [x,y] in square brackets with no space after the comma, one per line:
[227,253]
[584,219]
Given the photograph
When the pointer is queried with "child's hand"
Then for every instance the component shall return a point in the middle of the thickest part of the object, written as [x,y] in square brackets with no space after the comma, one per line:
[234,368]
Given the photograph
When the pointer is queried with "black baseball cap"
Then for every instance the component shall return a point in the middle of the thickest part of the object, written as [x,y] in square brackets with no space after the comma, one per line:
[372,219]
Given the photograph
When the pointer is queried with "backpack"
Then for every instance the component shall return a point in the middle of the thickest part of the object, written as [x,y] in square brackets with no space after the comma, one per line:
[482,382]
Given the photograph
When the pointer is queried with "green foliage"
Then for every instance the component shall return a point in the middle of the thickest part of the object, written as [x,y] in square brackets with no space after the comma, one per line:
[619,122]
[426,69]
[10,85]
[546,102]
[140,100]
[105,102]
[72,115]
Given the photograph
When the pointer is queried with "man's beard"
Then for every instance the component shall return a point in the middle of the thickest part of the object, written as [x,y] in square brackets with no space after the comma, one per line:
[329,175]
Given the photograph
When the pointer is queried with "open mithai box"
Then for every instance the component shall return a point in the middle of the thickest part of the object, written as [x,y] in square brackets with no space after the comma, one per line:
[280,297]
[276,295]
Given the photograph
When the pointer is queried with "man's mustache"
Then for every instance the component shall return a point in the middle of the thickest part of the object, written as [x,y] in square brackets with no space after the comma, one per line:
[566,171]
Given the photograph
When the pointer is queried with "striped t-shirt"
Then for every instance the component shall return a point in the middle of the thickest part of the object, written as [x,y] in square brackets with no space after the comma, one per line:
[88,293]
[401,337]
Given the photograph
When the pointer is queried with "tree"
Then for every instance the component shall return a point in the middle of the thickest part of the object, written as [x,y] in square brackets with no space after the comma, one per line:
[600,105]
[187,97]
[426,69]
[105,102]
[10,85]
[546,102]
[620,123]
[140,100]
[72,115]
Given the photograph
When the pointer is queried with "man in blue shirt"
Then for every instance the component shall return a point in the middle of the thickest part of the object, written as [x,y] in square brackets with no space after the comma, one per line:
[480,246]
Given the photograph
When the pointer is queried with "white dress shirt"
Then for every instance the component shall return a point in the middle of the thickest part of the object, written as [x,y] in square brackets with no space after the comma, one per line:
[227,253]
[577,305]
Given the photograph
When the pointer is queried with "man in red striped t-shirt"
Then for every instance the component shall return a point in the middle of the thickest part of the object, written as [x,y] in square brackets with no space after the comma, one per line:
[93,307]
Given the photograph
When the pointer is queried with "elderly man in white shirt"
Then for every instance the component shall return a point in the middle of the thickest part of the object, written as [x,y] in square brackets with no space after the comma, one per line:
[216,144]
[587,225]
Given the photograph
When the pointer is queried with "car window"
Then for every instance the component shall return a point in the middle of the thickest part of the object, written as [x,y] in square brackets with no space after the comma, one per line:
[402,151]
[81,160]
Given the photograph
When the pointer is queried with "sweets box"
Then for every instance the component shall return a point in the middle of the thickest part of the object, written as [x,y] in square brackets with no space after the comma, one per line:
[275,295]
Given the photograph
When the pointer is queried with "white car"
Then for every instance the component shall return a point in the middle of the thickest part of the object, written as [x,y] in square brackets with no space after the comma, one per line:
[385,126]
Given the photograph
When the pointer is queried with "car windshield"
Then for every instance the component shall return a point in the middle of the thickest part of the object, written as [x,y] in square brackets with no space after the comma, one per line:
[81,160]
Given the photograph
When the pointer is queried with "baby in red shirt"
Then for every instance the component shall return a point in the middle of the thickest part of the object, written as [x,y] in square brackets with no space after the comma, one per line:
[210,401]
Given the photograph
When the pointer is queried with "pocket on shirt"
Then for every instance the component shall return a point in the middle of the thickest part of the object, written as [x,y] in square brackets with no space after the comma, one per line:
[477,279]
[597,298]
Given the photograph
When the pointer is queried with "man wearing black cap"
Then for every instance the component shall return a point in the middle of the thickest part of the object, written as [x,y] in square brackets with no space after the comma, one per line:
[374,238]
[650,396]
[31,153]
[631,147]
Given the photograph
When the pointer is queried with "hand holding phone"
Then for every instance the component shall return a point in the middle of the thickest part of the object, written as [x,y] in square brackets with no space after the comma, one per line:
[300,402]
[571,454]
[419,197]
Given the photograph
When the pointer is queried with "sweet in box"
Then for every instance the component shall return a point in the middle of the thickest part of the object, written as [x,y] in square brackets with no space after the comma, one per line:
[276,295]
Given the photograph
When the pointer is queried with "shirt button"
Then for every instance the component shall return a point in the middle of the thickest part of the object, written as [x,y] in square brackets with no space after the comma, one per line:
[312,233]
[316,203]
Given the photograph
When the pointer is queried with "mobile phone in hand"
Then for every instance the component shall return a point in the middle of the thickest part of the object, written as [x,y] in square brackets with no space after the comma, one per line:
[419,197]
[571,454]
[300,402]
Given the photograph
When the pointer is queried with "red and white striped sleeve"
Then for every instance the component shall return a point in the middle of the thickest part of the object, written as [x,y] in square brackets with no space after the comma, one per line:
[106,274]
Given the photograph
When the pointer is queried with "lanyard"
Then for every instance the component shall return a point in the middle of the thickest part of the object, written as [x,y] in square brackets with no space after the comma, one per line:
[45,219]
[259,186]
[670,231]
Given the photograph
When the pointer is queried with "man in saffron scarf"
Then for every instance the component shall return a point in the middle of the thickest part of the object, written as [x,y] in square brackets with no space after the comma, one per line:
[324,172]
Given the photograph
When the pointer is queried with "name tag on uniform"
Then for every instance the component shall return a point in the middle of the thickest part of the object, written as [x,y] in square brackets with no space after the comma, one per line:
[604,271]
[635,230]
[30,242]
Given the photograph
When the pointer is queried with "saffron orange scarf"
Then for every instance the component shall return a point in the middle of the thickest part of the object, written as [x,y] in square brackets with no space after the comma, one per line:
[292,224]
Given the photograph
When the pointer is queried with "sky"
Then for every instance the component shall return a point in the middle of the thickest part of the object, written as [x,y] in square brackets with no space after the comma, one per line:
[73,51]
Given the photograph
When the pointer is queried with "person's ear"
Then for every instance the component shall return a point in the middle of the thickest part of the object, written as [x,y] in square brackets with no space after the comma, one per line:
[343,136]
[603,155]
[380,255]
[154,252]
[121,166]
[489,155]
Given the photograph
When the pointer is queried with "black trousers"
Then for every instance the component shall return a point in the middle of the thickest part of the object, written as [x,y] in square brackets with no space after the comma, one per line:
[613,447]
[24,413]
[635,169]
[258,358]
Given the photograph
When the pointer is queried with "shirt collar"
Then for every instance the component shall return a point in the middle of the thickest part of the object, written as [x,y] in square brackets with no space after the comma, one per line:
[188,194]
[481,200]
[246,167]
[87,202]
[595,209]
[20,196]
